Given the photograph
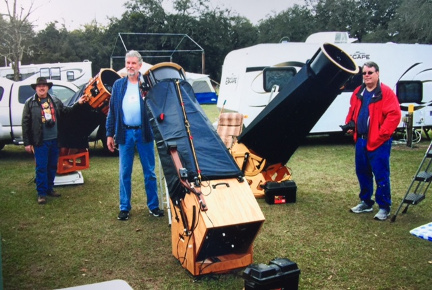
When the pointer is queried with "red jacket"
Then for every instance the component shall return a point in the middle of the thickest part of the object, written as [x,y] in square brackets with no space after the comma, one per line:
[384,114]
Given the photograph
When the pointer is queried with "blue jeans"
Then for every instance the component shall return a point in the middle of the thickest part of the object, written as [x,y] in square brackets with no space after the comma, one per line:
[46,157]
[147,157]
[370,164]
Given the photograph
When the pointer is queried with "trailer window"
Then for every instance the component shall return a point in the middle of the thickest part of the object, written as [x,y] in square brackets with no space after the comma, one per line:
[11,77]
[409,91]
[280,76]
[70,76]
[55,73]
[45,73]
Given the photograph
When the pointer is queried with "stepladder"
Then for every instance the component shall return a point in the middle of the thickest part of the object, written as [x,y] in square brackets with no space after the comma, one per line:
[419,184]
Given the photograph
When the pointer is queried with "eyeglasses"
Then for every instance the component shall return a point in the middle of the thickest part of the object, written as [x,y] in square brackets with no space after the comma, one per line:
[368,72]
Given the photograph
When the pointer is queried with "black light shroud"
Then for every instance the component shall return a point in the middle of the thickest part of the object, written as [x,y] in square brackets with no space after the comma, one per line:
[214,160]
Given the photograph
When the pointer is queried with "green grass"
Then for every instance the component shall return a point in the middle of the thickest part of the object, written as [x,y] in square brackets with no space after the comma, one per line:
[76,239]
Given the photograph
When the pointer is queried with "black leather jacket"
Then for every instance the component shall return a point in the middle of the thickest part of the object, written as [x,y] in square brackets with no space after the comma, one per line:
[32,119]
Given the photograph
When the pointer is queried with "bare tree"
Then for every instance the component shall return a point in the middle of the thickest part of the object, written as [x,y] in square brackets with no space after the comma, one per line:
[16,33]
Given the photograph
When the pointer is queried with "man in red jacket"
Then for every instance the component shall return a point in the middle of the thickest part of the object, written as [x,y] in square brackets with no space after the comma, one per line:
[375,112]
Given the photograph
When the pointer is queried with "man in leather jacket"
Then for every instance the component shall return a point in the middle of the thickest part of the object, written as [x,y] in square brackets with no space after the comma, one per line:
[39,126]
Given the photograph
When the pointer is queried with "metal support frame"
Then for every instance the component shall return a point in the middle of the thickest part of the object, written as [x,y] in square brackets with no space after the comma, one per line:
[161,53]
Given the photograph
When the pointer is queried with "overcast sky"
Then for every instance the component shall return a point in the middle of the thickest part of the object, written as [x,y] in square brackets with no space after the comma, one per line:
[74,13]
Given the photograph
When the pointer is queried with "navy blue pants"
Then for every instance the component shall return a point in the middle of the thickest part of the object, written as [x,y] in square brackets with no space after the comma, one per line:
[370,164]
[46,157]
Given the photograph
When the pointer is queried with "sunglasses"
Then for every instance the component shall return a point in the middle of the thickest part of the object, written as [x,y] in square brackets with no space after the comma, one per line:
[368,72]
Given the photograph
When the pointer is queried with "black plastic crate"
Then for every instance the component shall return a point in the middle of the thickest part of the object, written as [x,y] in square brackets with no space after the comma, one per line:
[280,273]
[280,192]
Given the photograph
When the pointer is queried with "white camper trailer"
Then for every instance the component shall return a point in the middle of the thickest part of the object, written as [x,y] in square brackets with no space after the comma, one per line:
[249,76]
[78,73]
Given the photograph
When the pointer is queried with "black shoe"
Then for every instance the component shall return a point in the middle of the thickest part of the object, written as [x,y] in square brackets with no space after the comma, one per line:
[123,215]
[156,212]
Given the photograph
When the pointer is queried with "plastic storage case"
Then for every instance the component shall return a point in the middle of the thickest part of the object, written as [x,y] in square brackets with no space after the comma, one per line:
[280,192]
[280,273]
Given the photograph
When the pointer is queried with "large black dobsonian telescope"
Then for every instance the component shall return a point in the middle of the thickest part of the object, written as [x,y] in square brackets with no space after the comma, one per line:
[266,145]
[76,127]
[215,213]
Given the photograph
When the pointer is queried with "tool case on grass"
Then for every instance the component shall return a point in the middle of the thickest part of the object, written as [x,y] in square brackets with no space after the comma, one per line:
[280,192]
[280,273]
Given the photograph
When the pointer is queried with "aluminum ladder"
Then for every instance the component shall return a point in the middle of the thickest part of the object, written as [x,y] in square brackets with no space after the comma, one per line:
[419,185]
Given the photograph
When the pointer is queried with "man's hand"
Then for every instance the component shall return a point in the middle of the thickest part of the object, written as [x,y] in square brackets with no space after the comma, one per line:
[348,128]
[29,148]
[82,99]
[110,144]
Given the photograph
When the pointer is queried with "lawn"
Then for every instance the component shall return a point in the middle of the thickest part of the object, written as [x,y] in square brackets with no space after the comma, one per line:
[77,239]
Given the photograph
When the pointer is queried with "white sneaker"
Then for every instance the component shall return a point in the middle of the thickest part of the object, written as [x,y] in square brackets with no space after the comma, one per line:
[382,215]
[361,207]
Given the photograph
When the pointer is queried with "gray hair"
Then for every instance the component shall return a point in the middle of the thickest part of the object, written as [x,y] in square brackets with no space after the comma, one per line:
[134,53]
[371,64]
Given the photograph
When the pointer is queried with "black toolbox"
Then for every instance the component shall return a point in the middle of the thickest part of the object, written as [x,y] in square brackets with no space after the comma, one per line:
[280,192]
[280,273]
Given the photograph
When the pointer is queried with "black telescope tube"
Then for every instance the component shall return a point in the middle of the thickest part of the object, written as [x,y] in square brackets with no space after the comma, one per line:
[275,134]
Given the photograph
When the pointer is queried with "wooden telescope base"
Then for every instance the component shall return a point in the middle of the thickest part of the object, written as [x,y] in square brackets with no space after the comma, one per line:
[220,239]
